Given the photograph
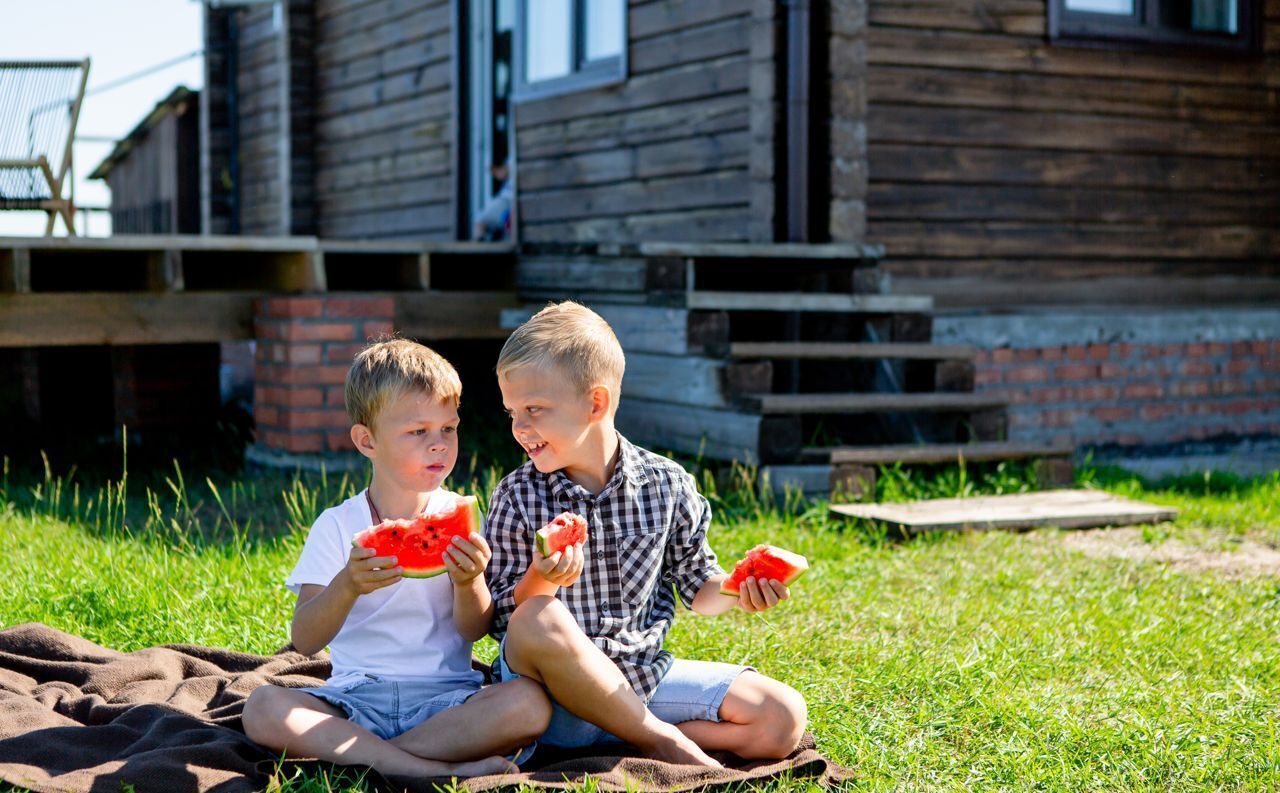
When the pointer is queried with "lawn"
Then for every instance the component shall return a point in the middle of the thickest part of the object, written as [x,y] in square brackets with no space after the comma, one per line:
[977,661]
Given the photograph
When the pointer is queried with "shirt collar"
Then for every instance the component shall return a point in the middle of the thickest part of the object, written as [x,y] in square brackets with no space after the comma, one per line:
[630,467]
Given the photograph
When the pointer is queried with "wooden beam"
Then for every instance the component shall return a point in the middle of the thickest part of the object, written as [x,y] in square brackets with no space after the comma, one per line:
[793,404]
[757,250]
[55,319]
[716,434]
[164,271]
[15,270]
[935,453]
[839,350]
[435,315]
[686,380]
[803,301]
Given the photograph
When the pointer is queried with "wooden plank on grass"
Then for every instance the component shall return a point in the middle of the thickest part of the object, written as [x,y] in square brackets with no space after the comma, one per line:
[1066,509]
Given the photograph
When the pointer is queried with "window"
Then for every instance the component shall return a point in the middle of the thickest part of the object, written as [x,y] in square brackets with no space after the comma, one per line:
[1202,24]
[569,45]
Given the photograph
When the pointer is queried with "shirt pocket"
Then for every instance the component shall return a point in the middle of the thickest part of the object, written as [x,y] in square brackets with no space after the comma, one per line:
[639,565]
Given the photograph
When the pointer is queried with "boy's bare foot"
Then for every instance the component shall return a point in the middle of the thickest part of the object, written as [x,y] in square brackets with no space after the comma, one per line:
[489,765]
[676,747]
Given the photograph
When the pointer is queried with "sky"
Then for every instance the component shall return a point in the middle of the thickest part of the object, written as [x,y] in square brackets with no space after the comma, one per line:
[122,37]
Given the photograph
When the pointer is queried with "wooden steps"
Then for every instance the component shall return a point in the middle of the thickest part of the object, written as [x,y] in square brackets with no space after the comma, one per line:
[740,351]
[976,452]
[836,350]
[795,404]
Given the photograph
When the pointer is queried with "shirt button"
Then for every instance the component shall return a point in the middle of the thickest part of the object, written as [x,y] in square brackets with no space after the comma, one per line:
[599,554]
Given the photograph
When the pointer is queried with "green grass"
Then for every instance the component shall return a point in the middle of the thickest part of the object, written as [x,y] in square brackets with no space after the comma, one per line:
[982,661]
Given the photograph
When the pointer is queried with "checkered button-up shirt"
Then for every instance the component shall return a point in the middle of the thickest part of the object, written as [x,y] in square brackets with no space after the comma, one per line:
[646,542]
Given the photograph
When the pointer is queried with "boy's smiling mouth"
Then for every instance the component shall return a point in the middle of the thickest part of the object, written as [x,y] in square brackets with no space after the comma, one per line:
[534,447]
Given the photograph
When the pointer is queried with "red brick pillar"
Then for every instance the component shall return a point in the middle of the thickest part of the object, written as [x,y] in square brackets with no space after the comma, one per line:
[305,346]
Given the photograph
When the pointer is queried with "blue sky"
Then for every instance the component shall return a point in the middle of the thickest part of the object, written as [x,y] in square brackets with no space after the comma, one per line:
[121,37]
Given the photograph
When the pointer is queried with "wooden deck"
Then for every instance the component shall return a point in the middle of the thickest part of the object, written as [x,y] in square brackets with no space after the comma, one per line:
[186,289]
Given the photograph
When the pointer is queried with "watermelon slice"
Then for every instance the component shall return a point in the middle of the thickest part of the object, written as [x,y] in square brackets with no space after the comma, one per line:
[567,529]
[419,544]
[765,561]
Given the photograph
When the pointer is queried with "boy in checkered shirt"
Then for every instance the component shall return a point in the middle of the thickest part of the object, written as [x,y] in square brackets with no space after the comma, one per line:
[588,622]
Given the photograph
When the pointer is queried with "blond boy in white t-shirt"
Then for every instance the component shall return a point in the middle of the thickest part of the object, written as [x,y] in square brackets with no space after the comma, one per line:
[402,697]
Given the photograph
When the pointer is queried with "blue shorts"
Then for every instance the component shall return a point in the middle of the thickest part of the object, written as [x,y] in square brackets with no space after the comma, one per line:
[388,708]
[690,691]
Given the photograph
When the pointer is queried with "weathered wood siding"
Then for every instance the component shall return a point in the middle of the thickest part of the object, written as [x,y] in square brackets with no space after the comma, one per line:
[259,114]
[153,189]
[997,158]
[383,120]
[682,150]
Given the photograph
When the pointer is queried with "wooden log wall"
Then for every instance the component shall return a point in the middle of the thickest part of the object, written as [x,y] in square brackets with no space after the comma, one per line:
[152,188]
[383,123]
[682,150]
[258,100]
[998,158]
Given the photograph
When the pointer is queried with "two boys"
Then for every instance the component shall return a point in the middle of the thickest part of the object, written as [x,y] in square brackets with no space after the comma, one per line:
[581,631]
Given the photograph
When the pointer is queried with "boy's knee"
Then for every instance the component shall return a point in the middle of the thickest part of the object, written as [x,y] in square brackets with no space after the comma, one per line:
[785,718]
[530,706]
[542,622]
[261,713]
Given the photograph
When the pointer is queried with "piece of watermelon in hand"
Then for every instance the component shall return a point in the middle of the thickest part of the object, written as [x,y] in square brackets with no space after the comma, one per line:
[568,528]
[764,562]
[419,544]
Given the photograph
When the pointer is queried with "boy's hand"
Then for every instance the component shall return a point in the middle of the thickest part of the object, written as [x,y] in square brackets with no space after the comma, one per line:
[561,568]
[758,595]
[467,559]
[367,573]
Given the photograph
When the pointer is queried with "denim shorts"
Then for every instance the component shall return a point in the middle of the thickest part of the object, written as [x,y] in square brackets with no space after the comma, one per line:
[388,708]
[690,691]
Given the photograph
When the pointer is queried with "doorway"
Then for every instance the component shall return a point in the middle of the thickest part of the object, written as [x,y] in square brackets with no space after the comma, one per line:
[488,162]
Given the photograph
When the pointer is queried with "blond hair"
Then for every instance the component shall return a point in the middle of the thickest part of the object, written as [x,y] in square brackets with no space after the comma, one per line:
[574,339]
[388,368]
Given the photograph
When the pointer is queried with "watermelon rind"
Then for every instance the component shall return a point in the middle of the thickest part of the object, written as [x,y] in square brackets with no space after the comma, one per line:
[477,521]
[799,566]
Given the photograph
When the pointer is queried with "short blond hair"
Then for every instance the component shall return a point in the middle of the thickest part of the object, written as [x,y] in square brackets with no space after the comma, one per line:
[390,367]
[572,338]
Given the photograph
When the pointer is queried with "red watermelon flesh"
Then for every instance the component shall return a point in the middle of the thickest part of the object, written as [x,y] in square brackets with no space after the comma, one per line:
[419,544]
[567,529]
[765,561]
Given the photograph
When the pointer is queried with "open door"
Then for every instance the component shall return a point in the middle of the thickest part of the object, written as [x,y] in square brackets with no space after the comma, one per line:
[489,174]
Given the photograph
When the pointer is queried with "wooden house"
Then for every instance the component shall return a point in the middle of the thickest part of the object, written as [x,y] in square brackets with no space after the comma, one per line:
[154,171]
[968,227]
[1085,194]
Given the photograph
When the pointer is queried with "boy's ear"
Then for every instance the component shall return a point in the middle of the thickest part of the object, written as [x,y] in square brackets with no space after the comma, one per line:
[362,437]
[601,403]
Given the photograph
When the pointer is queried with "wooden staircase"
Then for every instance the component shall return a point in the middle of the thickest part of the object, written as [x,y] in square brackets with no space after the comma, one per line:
[795,358]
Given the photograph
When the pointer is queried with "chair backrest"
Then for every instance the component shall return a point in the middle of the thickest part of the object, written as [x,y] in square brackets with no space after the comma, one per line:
[39,108]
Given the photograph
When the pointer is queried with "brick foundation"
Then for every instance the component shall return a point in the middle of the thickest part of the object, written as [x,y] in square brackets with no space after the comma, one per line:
[304,347]
[1136,394]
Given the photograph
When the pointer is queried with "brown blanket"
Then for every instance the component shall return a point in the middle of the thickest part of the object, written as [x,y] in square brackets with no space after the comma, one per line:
[75,716]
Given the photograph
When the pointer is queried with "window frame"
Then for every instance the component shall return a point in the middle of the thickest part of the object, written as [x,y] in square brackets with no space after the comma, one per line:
[583,74]
[1142,29]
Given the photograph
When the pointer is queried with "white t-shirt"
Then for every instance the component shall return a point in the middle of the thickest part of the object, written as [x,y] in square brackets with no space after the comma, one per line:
[402,631]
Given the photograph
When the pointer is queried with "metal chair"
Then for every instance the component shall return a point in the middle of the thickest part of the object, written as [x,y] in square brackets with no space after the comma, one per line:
[39,108]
